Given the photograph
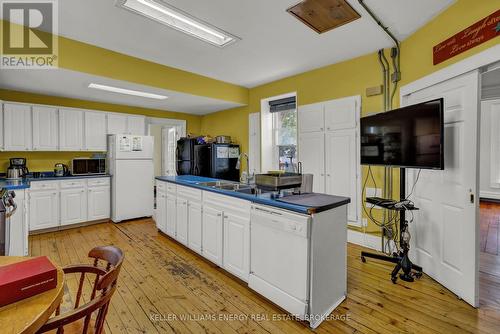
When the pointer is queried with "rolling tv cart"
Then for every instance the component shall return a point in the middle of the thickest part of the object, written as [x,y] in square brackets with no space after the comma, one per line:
[401,259]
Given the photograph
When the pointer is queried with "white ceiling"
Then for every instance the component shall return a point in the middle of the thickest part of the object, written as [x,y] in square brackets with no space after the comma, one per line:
[66,83]
[274,44]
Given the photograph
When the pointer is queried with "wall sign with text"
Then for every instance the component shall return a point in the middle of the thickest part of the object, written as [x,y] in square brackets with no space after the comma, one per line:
[478,33]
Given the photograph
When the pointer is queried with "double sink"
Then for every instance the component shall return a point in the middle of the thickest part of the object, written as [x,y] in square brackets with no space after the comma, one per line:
[230,186]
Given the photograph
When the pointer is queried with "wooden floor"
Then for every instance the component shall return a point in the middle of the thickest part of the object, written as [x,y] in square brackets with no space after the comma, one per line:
[165,288]
[489,227]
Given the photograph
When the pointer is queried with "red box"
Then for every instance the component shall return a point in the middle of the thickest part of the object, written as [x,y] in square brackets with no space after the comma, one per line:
[25,279]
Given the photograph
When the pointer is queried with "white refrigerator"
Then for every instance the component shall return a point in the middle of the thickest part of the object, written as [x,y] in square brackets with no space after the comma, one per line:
[130,164]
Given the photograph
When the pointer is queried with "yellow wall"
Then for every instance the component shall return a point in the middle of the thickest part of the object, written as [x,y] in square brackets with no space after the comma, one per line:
[44,161]
[352,77]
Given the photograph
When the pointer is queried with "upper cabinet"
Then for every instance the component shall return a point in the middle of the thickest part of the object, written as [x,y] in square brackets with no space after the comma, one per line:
[311,118]
[45,128]
[117,124]
[136,125]
[341,114]
[95,131]
[70,130]
[17,127]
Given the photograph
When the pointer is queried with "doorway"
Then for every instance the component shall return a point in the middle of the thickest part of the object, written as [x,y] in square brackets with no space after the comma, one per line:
[489,183]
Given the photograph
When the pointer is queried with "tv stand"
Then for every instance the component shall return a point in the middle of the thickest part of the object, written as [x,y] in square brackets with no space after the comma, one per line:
[401,259]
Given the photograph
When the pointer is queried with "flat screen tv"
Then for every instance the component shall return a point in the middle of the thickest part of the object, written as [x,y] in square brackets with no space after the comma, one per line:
[409,137]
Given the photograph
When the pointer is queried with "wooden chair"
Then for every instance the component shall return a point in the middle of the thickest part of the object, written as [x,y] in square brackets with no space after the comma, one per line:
[104,283]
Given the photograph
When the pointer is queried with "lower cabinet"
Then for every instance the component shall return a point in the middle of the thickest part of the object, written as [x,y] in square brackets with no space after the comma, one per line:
[99,203]
[212,234]
[237,245]
[73,206]
[182,220]
[161,212]
[43,209]
[18,222]
[194,226]
[171,216]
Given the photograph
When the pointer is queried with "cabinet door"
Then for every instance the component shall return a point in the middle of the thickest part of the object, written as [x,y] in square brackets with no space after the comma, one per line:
[171,216]
[95,131]
[237,245]
[161,212]
[18,244]
[341,168]
[43,210]
[99,203]
[70,130]
[17,127]
[194,226]
[312,155]
[45,129]
[117,124]
[310,118]
[136,125]
[182,220]
[340,114]
[73,206]
[212,235]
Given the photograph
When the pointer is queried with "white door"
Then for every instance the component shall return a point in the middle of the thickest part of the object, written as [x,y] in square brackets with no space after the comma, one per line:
[99,203]
[341,113]
[237,245]
[194,226]
[161,212]
[136,125]
[312,156]
[182,220]
[169,143]
[17,127]
[45,128]
[43,210]
[342,167]
[18,243]
[70,130]
[311,118]
[117,124]
[171,216]
[212,235]
[445,229]
[73,206]
[95,131]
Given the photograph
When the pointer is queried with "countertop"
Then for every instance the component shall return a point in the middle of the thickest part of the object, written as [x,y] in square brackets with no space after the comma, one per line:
[265,199]
[25,182]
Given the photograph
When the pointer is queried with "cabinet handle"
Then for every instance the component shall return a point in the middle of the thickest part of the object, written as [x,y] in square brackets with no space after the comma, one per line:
[328,128]
[321,129]
[219,215]
[226,217]
[328,175]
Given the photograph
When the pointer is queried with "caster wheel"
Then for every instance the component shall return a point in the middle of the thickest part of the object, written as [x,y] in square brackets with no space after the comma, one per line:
[363,259]
[394,279]
[418,274]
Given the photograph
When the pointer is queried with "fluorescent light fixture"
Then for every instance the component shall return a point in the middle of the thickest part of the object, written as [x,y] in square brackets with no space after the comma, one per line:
[127,91]
[177,19]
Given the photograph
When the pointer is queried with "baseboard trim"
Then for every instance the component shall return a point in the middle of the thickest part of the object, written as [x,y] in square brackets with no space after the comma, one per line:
[489,195]
[366,240]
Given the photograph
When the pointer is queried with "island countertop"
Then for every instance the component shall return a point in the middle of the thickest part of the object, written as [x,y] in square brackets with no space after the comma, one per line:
[265,198]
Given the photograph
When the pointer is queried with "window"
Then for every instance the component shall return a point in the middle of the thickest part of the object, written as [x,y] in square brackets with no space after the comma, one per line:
[284,116]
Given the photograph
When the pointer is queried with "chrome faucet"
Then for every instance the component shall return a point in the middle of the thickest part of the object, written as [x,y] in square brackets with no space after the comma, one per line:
[238,165]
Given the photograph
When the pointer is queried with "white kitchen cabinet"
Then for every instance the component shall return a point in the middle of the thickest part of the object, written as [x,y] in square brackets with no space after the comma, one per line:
[161,211]
[195,226]
[117,124]
[342,167]
[136,125]
[99,203]
[95,131]
[171,215]
[182,220]
[43,209]
[312,156]
[70,130]
[237,245]
[341,113]
[212,232]
[311,118]
[73,206]
[18,225]
[17,127]
[45,128]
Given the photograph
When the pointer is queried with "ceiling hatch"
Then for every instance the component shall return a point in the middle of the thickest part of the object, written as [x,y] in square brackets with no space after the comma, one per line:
[324,15]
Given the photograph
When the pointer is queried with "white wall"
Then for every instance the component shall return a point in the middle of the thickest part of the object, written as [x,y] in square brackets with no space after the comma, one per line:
[155,131]
[490,149]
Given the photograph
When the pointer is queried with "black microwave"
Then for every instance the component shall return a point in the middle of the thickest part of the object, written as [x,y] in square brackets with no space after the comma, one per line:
[88,166]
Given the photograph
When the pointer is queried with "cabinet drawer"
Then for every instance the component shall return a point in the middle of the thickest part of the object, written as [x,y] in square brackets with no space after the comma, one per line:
[171,188]
[227,203]
[44,185]
[98,182]
[190,193]
[72,184]
[161,186]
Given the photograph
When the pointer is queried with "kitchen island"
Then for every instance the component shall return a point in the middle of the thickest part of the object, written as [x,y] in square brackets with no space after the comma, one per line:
[294,255]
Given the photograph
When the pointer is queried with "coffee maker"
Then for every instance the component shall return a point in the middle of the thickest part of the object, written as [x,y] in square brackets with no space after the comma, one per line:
[17,169]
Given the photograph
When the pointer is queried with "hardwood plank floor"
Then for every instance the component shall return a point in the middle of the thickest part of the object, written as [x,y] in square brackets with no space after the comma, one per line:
[165,288]
[489,227]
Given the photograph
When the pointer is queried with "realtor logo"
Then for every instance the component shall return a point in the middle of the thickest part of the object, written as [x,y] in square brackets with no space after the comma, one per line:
[29,34]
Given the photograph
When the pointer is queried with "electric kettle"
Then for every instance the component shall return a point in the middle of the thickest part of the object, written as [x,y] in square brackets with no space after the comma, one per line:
[60,170]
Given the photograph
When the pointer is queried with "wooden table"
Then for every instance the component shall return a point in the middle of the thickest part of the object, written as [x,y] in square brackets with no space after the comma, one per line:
[28,315]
